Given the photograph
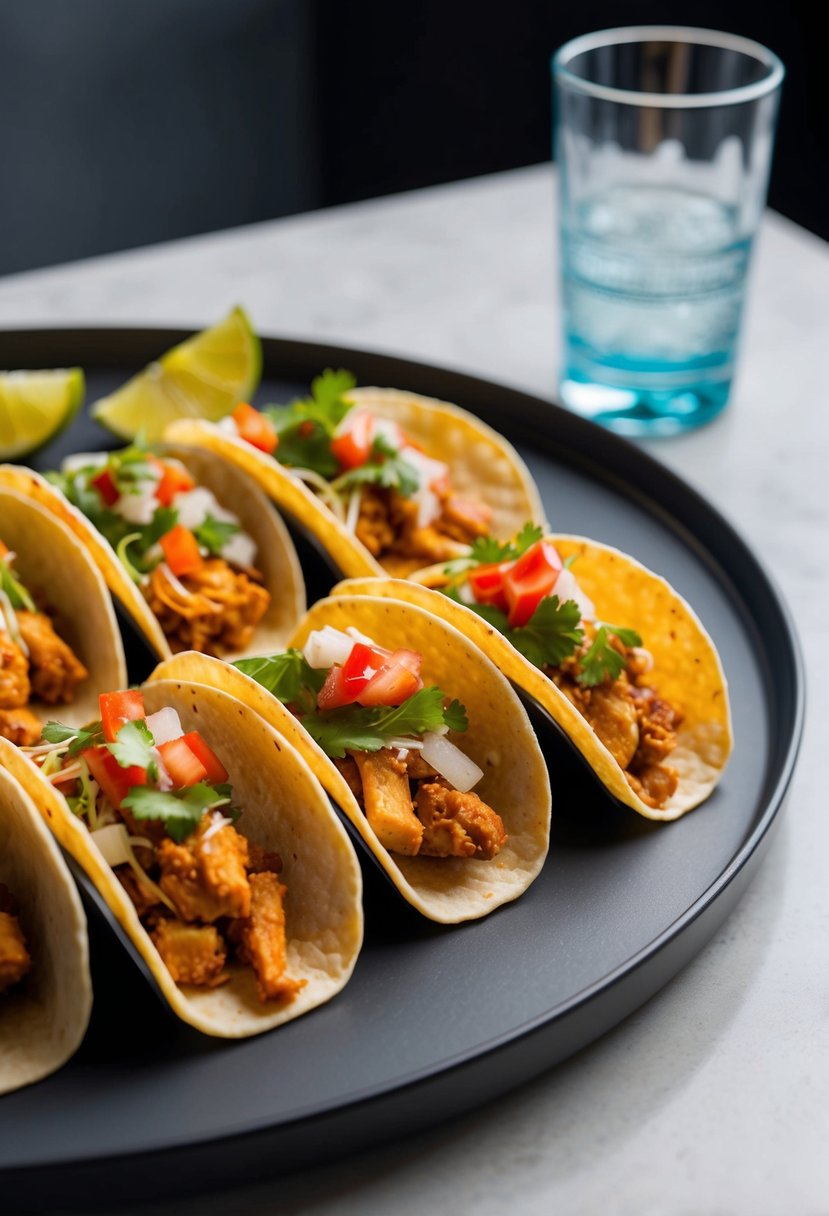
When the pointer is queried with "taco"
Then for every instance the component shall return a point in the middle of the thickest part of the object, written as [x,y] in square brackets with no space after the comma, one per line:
[187,543]
[59,640]
[214,847]
[612,653]
[419,740]
[45,989]
[386,481]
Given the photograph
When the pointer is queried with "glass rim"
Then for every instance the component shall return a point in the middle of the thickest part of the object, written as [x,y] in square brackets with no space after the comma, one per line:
[668,33]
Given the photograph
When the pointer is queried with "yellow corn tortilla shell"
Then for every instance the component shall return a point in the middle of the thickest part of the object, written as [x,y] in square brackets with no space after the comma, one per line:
[285,809]
[44,1017]
[483,466]
[56,569]
[687,670]
[499,739]
[276,556]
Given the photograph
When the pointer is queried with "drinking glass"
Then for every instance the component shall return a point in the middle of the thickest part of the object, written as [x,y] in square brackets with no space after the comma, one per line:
[663,139]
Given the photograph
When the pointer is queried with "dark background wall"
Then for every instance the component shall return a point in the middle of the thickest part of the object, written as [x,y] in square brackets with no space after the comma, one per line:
[124,122]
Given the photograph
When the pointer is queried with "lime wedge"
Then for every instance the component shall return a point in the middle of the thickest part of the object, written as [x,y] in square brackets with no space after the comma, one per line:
[204,377]
[34,406]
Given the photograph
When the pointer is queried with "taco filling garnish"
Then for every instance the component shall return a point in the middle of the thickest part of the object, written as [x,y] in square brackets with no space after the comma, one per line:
[35,662]
[394,496]
[529,594]
[367,708]
[158,805]
[189,555]
[15,959]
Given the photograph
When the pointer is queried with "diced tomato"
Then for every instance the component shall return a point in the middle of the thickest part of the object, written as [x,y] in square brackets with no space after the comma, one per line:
[116,708]
[396,681]
[332,694]
[531,578]
[104,483]
[487,583]
[174,480]
[255,428]
[181,762]
[116,782]
[181,551]
[213,767]
[353,446]
[362,663]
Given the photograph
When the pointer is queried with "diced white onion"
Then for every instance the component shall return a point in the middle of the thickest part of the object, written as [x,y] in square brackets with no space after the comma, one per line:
[154,555]
[354,633]
[227,426]
[566,588]
[450,762]
[7,614]
[83,460]
[429,472]
[240,550]
[113,843]
[387,429]
[164,725]
[326,647]
[467,595]
[195,505]
[137,508]
[216,824]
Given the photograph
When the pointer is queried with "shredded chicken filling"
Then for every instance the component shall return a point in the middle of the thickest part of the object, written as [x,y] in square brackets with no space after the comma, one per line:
[15,960]
[214,610]
[414,812]
[636,725]
[388,527]
[51,672]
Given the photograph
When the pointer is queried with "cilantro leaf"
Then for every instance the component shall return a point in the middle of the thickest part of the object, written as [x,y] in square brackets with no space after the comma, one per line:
[14,589]
[306,426]
[385,467]
[180,812]
[134,745]
[367,730]
[213,534]
[551,634]
[602,660]
[486,550]
[78,737]
[287,675]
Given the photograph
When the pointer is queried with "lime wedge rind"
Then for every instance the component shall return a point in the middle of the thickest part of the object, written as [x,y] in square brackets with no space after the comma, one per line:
[35,406]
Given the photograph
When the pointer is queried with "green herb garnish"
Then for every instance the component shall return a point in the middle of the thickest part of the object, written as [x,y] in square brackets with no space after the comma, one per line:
[288,676]
[602,660]
[180,812]
[213,534]
[368,730]
[384,467]
[134,745]
[78,737]
[14,589]
[307,426]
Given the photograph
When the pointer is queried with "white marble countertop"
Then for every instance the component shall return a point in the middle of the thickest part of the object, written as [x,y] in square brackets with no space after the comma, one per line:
[714,1097]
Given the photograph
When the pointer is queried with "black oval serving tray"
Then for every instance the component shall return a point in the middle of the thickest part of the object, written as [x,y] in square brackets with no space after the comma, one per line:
[435,1020]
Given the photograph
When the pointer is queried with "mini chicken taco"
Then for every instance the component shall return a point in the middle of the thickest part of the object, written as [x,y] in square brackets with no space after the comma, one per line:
[59,639]
[45,989]
[214,847]
[186,542]
[612,653]
[417,737]
[386,481]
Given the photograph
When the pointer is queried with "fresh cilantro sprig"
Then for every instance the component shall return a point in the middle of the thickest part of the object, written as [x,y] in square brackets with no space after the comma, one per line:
[602,661]
[78,737]
[179,811]
[551,635]
[134,745]
[213,534]
[384,467]
[486,550]
[367,730]
[14,589]
[288,675]
[306,427]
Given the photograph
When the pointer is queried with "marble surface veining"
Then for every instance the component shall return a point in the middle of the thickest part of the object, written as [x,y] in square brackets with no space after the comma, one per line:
[714,1097]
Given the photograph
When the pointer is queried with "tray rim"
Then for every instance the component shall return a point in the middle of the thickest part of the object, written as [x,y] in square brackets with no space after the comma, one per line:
[586,441]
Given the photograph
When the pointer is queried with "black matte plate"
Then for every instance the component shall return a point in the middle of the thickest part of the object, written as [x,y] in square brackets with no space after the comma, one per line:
[435,1020]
